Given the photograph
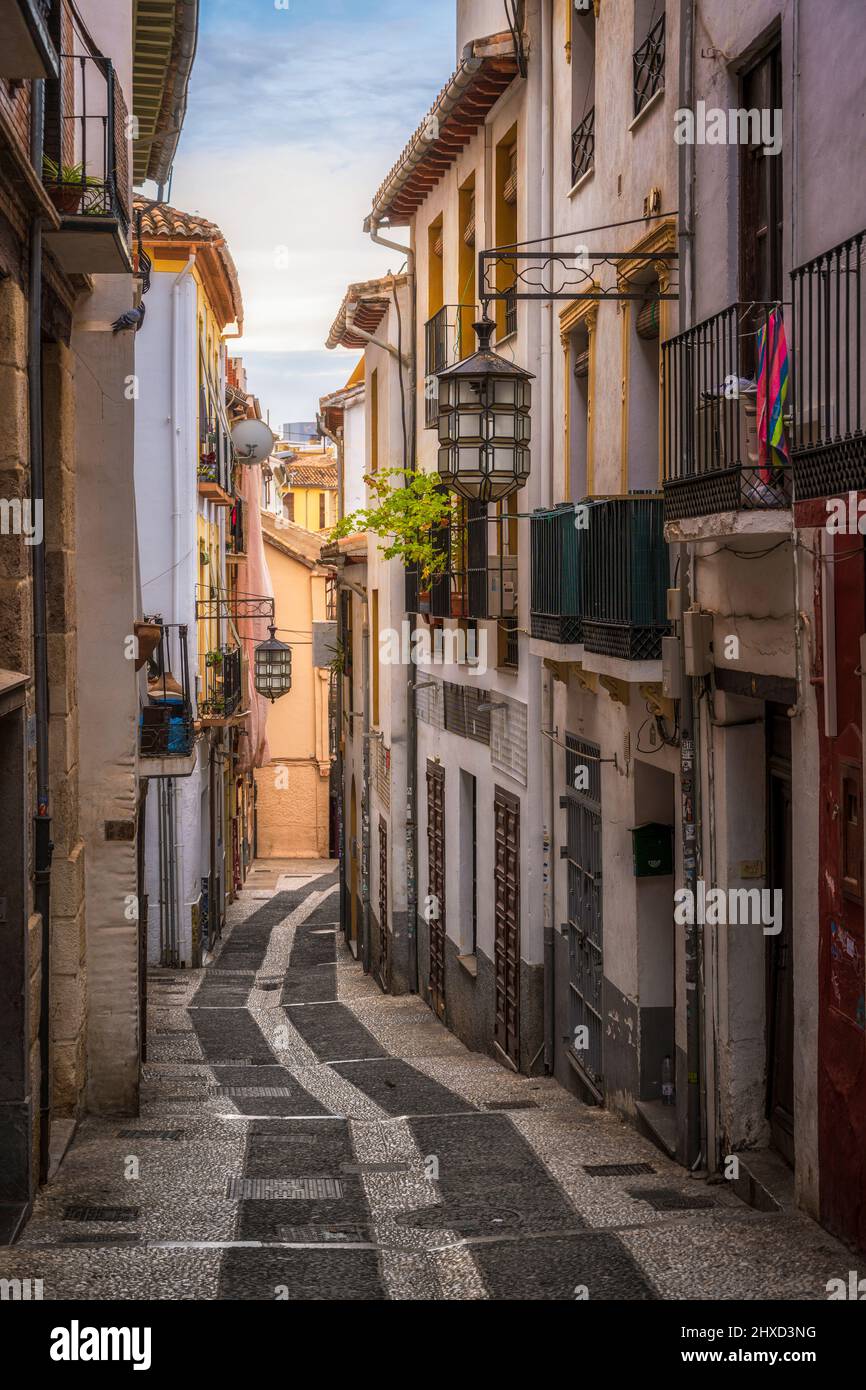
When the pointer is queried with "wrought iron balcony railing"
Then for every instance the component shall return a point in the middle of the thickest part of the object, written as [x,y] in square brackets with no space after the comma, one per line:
[556,575]
[510,313]
[649,66]
[604,583]
[165,728]
[717,391]
[442,348]
[583,147]
[829,445]
[86,169]
[476,573]
[625,577]
[221,683]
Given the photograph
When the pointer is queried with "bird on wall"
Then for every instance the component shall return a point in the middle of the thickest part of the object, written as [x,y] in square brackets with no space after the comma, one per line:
[133,318]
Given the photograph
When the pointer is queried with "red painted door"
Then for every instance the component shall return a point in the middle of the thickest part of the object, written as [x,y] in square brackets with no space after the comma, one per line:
[842,1018]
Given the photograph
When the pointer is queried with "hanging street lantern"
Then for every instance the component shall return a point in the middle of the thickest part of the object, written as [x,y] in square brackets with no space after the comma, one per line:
[484,424]
[273,668]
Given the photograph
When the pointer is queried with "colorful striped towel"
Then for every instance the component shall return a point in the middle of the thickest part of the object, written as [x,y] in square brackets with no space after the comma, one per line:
[772,394]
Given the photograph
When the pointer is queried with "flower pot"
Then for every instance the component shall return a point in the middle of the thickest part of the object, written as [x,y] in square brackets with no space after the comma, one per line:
[66,199]
[458,605]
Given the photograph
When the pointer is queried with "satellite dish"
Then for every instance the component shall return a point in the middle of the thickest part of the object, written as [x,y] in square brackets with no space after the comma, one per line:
[253,441]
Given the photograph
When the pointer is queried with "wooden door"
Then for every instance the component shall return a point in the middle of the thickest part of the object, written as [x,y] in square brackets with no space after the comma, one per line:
[506,944]
[435,905]
[780,954]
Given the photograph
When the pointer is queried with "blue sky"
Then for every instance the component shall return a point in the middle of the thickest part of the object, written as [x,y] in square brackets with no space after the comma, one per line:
[295,116]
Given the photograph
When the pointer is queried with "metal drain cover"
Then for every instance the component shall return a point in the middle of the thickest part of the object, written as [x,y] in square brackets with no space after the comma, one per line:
[264,1091]
[151,1133]
[468,1219]
[85,1213]
[510,1105]
[271,984]
[347,1233]
[122,1238]
[283,1189]
[617,1170]
[668,1199]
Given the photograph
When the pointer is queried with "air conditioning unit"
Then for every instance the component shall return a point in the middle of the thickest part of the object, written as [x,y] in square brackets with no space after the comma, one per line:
[502,586]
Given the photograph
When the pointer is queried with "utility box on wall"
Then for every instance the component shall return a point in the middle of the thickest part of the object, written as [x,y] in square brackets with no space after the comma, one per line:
[653,850]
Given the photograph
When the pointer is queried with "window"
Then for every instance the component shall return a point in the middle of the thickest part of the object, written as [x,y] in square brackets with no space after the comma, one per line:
[649,51]
[761,188]
[435,282]
[374,653]
[582,95]
[466,266]
[289,506]
[469,864]
[506,229]
[374,421]
[322,522]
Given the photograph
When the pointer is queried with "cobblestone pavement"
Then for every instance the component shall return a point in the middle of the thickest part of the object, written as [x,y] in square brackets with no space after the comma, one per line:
[304,1136]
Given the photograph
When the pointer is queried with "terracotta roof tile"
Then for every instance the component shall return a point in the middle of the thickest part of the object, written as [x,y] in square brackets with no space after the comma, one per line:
[160,221]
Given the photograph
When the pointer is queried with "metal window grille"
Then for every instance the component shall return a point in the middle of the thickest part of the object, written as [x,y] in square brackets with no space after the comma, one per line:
[649,66]
[508,737]
[584,892]
[583,147]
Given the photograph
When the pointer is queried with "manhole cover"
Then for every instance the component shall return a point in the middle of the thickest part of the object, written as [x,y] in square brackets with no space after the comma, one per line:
[84,1213]
[282,1189]
[349,1233]
[617,1170]
[667,1199]
[270,1091]
[174,1134]
[271,984]
[467,1220]
[510,1105]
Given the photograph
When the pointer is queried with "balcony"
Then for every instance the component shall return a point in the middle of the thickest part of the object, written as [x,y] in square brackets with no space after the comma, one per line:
[476,573]
[649,66]
[828,455]
[216,452]
[556,576]
[220,699]
[583,147]
[166,731]
[600,591]
[86,164]
[442,348]
[235,537]
[714,397]
[625,578]
[26,50]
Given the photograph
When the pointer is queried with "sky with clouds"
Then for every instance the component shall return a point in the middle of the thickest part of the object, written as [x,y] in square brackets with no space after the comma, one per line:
[297,110]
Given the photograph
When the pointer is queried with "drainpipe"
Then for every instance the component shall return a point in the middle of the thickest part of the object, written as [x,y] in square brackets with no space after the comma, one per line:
[372,227]
[366,951]
[546,351]
[42,820]
[176,359]
[690,786]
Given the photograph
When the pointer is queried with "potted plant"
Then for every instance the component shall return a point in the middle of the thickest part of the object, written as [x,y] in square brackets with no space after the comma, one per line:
[67,186]
[214,659]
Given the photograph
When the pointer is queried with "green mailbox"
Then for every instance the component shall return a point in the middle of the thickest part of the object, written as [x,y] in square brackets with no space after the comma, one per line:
[653,850]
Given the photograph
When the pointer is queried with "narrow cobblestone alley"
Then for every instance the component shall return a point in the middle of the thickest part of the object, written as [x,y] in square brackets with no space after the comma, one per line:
[303,1136]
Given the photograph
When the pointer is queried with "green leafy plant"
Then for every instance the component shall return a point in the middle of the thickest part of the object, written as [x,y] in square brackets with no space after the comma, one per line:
[405,516]
[71,185]
[214,659]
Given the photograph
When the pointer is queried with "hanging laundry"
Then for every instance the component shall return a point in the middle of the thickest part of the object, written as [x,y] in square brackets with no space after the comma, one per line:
[772,394]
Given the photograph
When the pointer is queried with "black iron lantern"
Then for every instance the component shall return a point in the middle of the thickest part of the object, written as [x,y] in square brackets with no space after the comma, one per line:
[484,424]
[273,668]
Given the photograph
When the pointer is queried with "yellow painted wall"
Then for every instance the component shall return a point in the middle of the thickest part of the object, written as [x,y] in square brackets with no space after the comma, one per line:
[307,504]
[293,788]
